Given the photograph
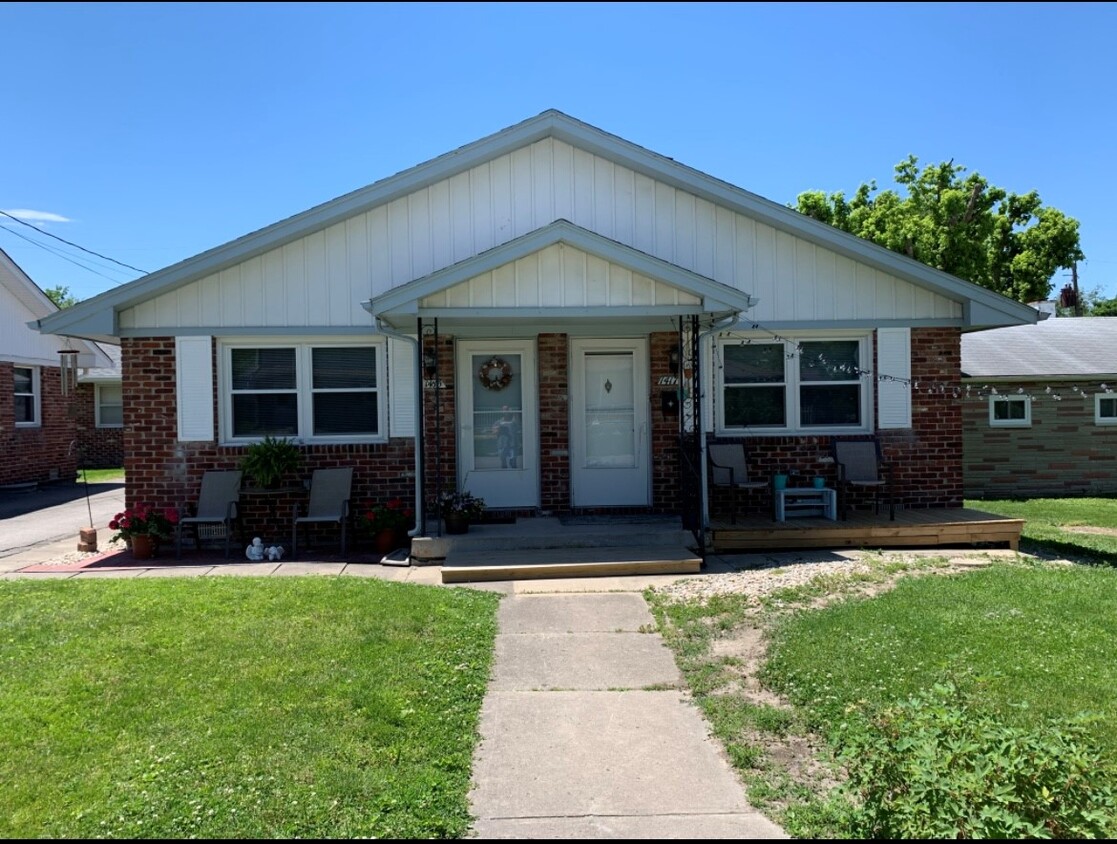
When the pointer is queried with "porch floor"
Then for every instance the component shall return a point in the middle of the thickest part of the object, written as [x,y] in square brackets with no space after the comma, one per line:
[926,528]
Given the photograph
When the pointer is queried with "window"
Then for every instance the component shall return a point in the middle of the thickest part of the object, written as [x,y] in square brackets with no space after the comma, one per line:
[324,392]
[1010,412]
[26,395]
[1105,409]
[807,385]
[110,405]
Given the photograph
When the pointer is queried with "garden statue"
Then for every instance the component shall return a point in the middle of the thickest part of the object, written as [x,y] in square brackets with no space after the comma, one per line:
[255,551]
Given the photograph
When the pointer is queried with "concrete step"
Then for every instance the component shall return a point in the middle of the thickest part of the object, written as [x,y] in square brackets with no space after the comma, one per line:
[536,563]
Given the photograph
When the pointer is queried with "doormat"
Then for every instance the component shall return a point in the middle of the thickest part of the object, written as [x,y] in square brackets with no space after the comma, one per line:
[635,519]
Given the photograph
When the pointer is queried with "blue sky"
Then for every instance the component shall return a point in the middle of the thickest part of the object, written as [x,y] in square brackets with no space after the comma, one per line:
[152,132]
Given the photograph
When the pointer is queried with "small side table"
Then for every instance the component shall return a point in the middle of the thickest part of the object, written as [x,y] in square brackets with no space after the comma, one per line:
[806,501]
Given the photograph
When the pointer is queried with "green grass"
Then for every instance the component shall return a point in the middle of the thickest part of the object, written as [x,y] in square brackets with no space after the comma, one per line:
[101,476]
[239,708]
[1049,518]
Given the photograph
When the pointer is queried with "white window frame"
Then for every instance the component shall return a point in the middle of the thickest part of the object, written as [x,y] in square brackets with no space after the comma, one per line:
[303,386]
[1026,422]
[792,383]
[97,404]
[36,394]
[1098,418]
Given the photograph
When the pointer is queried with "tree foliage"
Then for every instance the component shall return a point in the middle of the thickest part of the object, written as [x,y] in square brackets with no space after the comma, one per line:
[61,297]
[1009,243]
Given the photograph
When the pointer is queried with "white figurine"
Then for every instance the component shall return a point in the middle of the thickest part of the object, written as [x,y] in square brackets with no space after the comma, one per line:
[255,551]
[275,553]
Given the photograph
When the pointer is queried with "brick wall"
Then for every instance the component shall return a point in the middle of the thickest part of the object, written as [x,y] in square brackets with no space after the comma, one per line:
[664,426]
[166,473]
[42,453]
[101,448]
[1063,453]
[926,460]
[554,421]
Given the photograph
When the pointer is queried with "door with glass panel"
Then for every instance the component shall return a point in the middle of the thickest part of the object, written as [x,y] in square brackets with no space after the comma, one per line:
[609,443]
[498,434]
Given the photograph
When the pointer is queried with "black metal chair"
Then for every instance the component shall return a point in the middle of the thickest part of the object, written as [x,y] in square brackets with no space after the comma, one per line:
[861,467]
[729,470]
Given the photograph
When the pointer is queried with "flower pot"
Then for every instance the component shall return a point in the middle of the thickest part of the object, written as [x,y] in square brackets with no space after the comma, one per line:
[143,546]
[818,483]
[457,523]
[385,541]
[779,481]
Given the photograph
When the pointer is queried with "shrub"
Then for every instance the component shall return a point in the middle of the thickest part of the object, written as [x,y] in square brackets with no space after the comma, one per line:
[267,462]
[936,767]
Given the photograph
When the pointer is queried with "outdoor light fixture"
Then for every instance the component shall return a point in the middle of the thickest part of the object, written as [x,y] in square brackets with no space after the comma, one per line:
[68,366]
[430,363]
[673,361]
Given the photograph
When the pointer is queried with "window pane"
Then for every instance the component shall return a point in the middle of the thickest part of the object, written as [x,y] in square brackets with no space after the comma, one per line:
[837,405]
[756,363]
[112,415]
[345,413]
[755,406]
[345,368]
[1008,409]
[263,369]
[23,380]
[829,360]
[25,408]
[1108,408]
[262,415]
[110,394]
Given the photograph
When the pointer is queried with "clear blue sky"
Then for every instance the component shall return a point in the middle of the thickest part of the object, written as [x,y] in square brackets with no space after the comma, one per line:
[160,131]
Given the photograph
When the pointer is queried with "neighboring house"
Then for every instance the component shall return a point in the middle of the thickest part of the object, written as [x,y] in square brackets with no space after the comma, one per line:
[565,277]
[37,422]
[1041,417]
[100,421]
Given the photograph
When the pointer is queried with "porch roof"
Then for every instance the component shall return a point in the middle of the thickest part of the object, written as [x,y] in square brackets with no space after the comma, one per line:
[698,295]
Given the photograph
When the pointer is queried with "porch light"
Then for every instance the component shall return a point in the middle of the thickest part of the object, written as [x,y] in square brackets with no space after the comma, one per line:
[430,364]
[673,361]
[68,367]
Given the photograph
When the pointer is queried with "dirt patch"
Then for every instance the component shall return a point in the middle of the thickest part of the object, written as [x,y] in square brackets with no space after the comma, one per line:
[1100,531]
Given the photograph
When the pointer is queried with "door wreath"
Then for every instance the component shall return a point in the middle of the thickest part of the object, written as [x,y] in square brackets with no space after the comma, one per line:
[496,374]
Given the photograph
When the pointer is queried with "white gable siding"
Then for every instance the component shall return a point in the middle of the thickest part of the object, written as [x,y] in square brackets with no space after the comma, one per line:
[320,280]
[558,276]
[21,344]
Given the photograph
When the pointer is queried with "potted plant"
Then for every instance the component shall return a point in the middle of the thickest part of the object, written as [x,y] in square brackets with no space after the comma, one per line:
[142,527]
[386,522]
[269,460]
[459,509]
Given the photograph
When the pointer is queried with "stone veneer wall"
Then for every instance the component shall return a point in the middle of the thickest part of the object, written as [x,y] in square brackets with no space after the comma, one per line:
[1063,453]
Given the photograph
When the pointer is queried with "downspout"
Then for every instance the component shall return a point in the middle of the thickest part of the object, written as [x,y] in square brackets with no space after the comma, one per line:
[718,325]
[388,331]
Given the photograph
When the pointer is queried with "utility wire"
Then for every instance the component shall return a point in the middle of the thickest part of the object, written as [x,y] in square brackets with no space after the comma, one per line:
[68,243]
[62,255]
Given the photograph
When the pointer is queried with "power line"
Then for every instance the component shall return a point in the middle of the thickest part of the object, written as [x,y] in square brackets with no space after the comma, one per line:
[68,243]
[61,255]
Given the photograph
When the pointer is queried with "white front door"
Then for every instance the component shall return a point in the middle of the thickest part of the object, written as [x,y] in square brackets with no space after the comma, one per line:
[609,443]
[498,427]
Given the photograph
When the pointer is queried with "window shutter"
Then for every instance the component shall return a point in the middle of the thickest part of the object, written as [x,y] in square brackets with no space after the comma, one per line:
[401,388]
[894,360]
[194,388]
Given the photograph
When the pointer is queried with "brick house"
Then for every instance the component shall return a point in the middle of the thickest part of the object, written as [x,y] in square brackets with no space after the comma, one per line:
[560,319]
[100,413]
[1041,417]
[38,429]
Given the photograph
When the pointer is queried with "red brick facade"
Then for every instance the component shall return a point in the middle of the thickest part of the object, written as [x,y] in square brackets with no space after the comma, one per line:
[101,448]
[1064,451]
[45,452]
[926,460]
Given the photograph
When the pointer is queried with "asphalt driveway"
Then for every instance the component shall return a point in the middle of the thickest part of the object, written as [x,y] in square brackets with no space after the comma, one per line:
[55,512]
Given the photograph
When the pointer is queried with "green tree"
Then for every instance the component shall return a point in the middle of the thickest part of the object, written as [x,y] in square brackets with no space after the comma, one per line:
[1007,242]
[1104,307]
[61,297]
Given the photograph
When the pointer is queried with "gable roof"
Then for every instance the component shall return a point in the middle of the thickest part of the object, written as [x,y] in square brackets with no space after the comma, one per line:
[1074,347]
[97,317]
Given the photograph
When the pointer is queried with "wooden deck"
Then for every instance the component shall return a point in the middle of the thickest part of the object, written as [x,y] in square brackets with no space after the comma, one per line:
[912,529]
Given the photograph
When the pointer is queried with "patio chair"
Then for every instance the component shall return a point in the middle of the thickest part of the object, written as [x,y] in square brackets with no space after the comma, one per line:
[217,505]
[861,466]
[329,503]
[729,469]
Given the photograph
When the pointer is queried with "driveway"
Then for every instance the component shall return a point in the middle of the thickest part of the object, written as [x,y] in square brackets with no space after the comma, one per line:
[55,512]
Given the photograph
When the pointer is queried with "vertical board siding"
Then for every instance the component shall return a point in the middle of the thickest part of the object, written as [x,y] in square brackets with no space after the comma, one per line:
[321,279]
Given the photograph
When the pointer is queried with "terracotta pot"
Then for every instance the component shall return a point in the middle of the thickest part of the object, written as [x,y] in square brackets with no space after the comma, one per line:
[386,541]
[143,546]
[457,523]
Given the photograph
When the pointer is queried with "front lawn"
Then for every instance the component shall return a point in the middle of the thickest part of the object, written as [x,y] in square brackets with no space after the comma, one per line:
[239,708]
[1082,528]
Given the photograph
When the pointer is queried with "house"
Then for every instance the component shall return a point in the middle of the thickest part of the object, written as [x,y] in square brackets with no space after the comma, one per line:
[1041,417]
[100,417]
[553,314]
[37,419]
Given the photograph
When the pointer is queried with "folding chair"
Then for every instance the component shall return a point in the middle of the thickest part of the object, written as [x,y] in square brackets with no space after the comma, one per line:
[217,505]
[729,469]
[329,503]
[861,466]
